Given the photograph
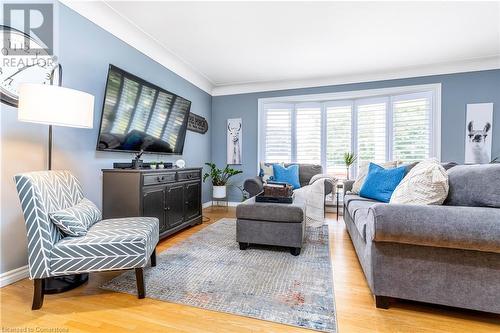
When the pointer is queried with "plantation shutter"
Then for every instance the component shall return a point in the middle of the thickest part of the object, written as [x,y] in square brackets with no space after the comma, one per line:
[143,109]
[278,133]
[411,127]
[338,136]
[308,133]
[371,129]
[126,105]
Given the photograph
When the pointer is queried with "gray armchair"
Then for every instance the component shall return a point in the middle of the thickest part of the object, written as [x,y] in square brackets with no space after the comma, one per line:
[114,244]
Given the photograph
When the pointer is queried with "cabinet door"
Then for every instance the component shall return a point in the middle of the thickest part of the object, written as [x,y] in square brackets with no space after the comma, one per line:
[175,205]
[192,192]
[153,204]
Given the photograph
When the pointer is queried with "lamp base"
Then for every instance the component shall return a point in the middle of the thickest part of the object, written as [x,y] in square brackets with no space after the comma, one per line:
[60,284]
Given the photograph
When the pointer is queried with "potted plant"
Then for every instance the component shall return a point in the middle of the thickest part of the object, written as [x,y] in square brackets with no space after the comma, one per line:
[349,159]
[219,179]
[161,165]
[152,165]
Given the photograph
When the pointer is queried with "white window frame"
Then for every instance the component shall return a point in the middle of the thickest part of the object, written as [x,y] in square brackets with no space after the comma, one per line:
[329,98]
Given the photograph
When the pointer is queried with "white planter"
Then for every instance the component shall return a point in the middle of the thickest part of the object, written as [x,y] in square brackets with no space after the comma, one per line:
[219,192]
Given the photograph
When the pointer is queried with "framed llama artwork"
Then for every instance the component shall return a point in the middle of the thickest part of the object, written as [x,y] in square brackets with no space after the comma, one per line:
[478,130]
[234,145]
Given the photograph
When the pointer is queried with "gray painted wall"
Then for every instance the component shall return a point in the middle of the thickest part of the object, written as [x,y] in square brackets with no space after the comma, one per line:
[457,91]
[85,51]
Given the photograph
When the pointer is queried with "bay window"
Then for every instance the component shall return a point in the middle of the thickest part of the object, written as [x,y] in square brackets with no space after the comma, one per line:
[377,125]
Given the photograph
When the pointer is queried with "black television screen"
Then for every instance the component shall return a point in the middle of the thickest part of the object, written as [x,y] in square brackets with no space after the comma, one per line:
[138,115]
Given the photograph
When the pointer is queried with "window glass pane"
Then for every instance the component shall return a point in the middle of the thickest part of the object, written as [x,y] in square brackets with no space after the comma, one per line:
[338,138]
[278,135]
[411,129]
[308,135]
[371,132]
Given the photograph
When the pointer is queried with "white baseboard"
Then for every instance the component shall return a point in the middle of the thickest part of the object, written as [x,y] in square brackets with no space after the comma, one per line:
[13,276]
[223,203]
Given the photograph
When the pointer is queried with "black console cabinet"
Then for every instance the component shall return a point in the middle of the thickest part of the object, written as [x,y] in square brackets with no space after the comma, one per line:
[171,195]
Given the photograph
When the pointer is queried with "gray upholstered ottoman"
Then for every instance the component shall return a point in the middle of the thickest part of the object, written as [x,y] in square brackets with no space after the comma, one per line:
[270,224]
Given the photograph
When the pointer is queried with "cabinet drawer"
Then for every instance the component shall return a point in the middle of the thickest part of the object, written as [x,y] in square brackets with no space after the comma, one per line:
[160,178]
[188,175]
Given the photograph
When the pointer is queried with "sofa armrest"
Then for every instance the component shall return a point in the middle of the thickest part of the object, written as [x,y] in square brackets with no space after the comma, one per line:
[469,228]
[253,186]
[348,185]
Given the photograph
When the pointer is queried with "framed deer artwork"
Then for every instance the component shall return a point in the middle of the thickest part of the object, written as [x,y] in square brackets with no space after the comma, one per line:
[234,135]
[478,129]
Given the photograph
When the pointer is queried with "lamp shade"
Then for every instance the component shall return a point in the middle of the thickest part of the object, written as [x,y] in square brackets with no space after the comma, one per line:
[54,105]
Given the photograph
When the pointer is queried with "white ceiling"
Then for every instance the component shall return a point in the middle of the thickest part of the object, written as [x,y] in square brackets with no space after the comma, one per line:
[267,44]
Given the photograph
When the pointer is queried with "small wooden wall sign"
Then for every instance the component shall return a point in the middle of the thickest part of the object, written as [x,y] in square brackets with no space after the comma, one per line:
[197,123]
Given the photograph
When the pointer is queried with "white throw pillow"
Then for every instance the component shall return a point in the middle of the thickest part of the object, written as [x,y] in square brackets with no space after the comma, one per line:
[267,171]
[425,184]
[363,171]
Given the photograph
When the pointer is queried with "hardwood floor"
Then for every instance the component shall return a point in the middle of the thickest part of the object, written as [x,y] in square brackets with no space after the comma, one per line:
[90,309]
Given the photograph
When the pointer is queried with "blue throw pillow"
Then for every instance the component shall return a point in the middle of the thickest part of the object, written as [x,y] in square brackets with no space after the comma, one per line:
[380,183]
[288,175]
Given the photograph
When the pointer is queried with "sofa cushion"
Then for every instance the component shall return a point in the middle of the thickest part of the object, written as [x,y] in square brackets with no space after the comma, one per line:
[425,184]
[468,228]
[273,212]
[474,185]
[306,171]
[77,219]
[108,245]
[380,183]
[363,171]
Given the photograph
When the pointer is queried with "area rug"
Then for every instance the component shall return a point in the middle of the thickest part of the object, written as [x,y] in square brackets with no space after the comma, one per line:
[209,271]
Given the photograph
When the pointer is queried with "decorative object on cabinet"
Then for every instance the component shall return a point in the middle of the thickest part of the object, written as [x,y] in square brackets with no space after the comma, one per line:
[180,163]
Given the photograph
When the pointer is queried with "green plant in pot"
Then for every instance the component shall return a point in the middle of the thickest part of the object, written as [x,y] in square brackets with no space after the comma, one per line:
[219,178]
[152,165]
[349,159]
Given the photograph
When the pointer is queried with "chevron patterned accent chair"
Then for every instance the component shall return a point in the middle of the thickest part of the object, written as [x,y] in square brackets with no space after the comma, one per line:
[113,244]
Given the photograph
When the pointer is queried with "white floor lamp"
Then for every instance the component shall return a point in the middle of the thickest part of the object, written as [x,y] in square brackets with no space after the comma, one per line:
[55,105]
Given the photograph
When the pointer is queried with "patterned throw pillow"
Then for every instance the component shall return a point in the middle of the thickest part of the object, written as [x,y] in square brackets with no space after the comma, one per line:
[425,184]
[76,220]
[266,171]
[363,171]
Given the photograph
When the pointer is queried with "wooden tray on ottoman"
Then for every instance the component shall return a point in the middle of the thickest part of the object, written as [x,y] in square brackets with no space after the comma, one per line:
[270,199]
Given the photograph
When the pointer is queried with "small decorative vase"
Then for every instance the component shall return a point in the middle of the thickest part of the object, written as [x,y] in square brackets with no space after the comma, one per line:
[161,166]
[152,166]
[219,192]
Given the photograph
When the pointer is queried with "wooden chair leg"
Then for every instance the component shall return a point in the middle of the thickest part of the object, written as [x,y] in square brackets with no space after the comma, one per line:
[153,258]
[139,277]
[38,294]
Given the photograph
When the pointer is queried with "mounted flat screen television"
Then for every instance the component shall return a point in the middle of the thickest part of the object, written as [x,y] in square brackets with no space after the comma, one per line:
[138,115]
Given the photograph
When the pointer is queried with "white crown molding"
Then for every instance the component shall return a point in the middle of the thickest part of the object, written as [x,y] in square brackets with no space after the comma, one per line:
[469,65]
[104,16]
[13,276]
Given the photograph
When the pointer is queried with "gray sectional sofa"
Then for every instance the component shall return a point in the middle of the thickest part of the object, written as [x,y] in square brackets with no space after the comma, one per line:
[448,255]
[254,186]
